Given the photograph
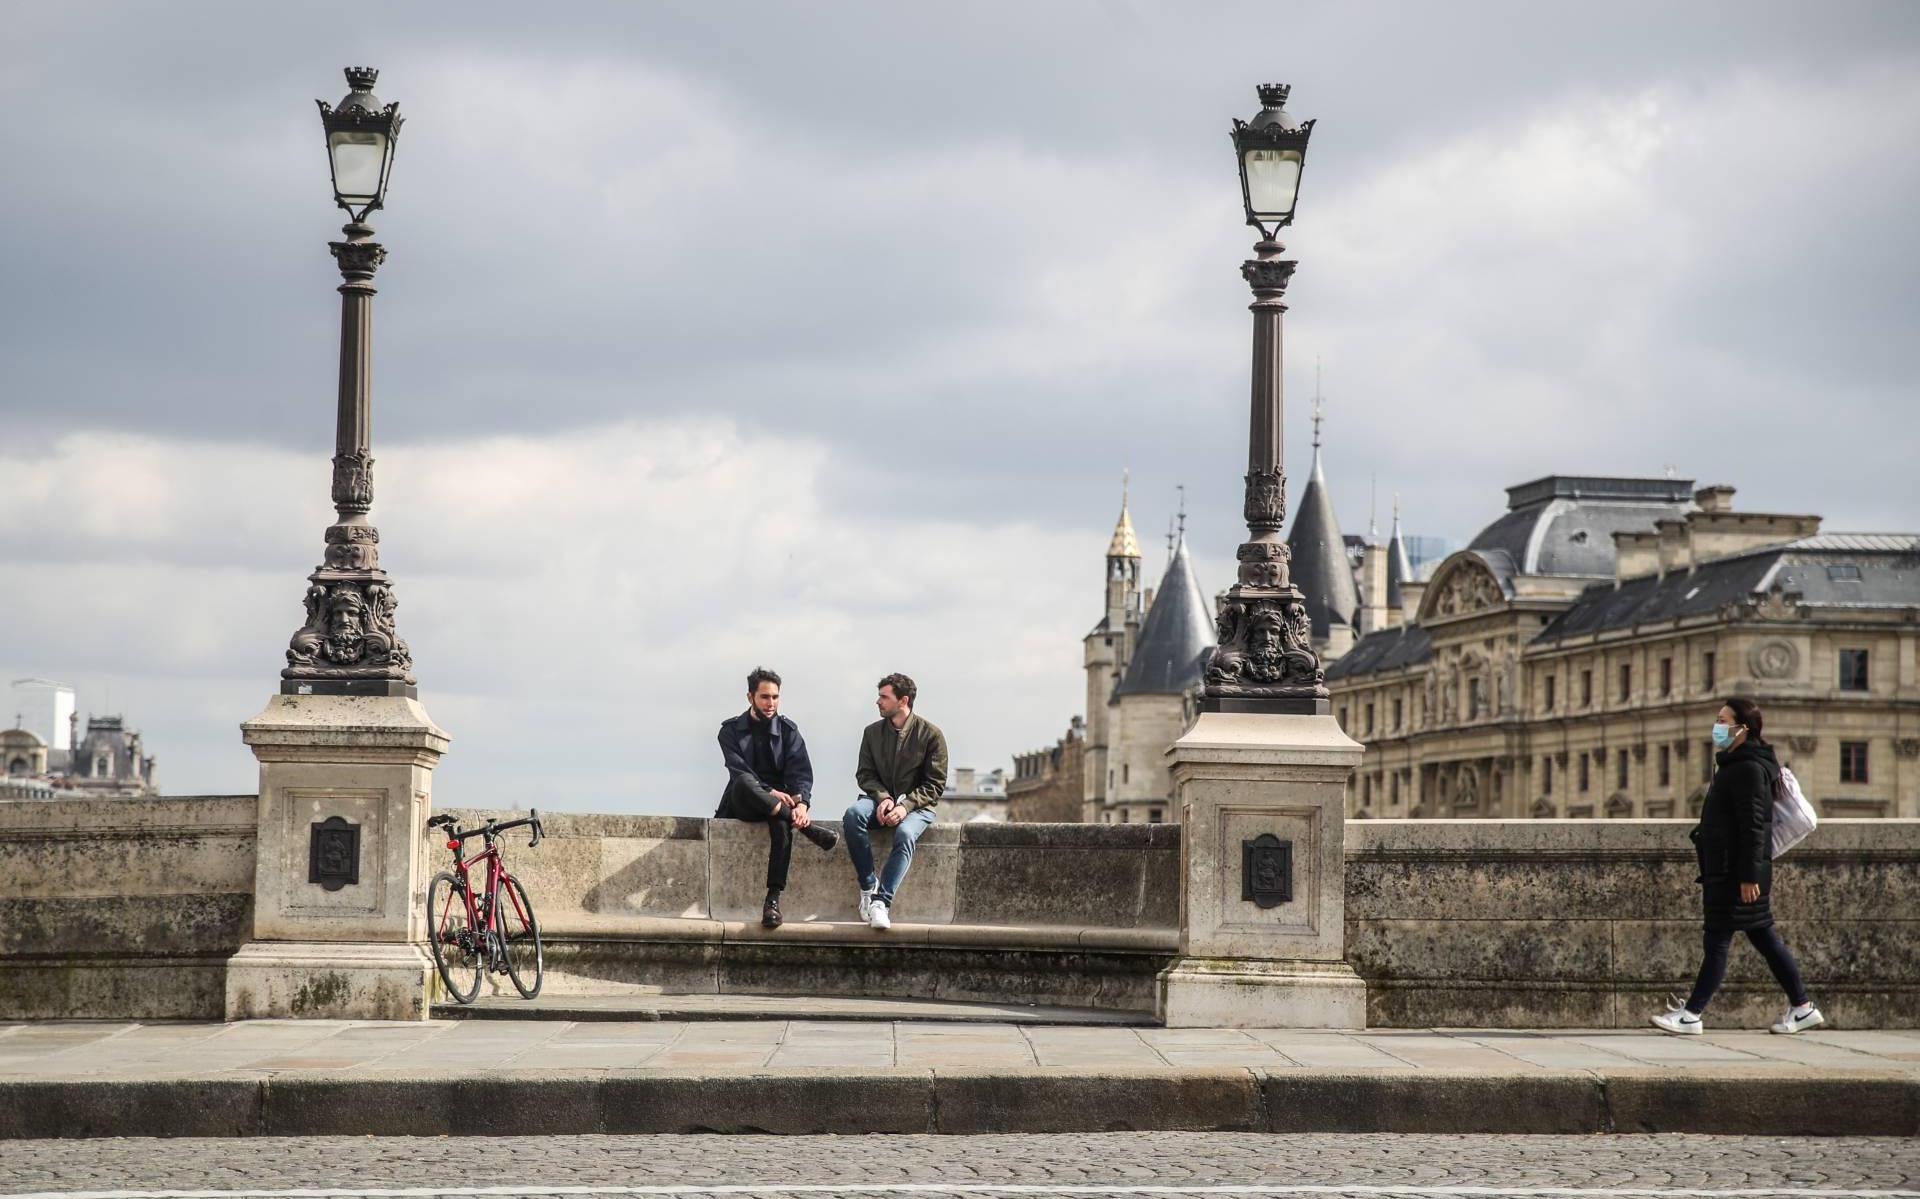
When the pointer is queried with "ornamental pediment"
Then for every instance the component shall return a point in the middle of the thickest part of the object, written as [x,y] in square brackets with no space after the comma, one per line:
[1464,587]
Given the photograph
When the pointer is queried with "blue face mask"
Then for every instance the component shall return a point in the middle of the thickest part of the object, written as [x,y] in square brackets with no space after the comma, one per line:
[1722,736]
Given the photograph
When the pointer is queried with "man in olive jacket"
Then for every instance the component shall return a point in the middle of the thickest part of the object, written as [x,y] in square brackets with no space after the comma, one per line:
[902,771]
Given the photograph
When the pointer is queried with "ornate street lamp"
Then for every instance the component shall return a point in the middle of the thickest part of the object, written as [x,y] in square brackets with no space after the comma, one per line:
[1264,660]
[348,645]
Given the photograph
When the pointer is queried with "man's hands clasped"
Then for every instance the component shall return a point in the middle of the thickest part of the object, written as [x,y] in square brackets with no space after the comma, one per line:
[802,817]
[889,811]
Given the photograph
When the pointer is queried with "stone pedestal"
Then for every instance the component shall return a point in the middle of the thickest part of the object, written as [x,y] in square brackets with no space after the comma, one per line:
[346,786]
[1263,886]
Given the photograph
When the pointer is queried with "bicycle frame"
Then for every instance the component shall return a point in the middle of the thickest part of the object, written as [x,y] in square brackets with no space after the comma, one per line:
[483,909]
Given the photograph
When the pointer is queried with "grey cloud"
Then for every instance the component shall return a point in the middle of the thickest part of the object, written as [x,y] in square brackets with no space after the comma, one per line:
[987,253]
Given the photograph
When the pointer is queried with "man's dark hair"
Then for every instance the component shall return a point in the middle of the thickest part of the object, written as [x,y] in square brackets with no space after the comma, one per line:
[1748,713]
[903,687]
[761,675]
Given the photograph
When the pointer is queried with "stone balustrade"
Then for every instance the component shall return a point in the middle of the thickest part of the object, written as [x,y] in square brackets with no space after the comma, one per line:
[129,908]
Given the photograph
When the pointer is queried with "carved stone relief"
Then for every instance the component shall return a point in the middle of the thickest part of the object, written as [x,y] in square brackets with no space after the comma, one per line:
[1774,660]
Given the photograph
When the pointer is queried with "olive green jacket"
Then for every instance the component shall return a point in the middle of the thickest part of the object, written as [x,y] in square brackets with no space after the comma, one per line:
[912,769]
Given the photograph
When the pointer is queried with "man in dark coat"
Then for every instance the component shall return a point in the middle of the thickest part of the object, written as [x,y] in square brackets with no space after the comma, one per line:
[1734,846]
[770,781]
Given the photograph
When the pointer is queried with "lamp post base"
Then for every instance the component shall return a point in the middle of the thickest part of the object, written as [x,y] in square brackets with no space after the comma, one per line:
[1305,706]
[390,687]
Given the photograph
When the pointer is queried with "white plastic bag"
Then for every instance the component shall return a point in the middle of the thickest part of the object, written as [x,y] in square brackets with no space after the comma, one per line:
[1793,816]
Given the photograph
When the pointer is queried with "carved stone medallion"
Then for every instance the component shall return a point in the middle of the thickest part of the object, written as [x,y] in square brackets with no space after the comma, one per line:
[1774,660]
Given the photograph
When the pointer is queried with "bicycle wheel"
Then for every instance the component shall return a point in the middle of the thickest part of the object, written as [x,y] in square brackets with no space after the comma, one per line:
[458,952]
[520,938]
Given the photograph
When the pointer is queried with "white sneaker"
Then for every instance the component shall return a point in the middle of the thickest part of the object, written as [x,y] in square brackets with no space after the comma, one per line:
[1799,1019]
[1680,1022]
[866,904]
[877,918]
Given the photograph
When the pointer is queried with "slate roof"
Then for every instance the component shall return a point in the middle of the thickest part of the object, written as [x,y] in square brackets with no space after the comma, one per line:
[1176,637]
[1564,524]
[1389,649]
[1321,569]
[1874,571]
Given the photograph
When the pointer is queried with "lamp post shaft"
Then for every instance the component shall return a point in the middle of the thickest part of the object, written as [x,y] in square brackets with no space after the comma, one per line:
[1266,437]
[359,257]
[1264,660]
[348,645]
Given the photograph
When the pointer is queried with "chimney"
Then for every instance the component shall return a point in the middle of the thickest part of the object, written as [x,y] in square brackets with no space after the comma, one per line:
[1373,589]
[1716,498]
[1676,546]
[1410,593]
[1636,554]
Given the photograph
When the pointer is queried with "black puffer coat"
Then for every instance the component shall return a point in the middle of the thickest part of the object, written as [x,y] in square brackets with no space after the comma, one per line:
[1734,839]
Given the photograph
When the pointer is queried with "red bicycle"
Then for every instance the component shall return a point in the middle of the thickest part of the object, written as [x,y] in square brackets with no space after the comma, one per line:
[492,930]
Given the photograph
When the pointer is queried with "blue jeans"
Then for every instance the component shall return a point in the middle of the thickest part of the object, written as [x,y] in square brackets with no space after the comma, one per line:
[857,821]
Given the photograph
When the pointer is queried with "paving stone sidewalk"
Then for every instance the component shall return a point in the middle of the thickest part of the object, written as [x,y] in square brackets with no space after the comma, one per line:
[262,1048]
[565,1077]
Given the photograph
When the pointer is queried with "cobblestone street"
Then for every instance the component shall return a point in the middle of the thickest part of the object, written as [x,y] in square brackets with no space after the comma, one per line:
[1172,1164]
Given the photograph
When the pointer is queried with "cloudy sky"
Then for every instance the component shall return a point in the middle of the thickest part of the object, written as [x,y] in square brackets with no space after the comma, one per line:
[818,335]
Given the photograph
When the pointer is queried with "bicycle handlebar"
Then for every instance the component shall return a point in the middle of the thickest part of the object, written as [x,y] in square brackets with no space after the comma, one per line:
[491,829]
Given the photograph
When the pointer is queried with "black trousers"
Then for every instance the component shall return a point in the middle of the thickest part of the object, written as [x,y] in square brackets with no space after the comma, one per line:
[1713,968]
[740,803]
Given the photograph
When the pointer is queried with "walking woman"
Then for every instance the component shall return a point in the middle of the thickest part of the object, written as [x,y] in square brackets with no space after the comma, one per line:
[1734,843]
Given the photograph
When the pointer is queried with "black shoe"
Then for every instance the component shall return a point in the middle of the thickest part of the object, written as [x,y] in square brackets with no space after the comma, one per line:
[770,911]
[821,835]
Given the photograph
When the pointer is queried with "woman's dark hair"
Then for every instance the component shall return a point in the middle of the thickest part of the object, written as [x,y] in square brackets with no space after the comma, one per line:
[1746,712]
[761,675]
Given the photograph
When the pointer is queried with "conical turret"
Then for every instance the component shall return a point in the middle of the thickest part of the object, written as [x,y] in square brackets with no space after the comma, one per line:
[1177,634]
[1320,567]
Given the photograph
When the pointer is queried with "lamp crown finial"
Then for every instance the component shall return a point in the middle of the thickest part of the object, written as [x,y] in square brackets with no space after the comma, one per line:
[1274,95]
[362,79]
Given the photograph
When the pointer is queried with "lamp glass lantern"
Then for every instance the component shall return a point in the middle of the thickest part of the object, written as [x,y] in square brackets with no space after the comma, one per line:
[1272,150]
[360,140]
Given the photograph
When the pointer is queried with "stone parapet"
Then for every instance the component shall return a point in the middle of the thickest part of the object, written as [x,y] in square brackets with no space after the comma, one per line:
[122,907]
[1593,923]
[130,908]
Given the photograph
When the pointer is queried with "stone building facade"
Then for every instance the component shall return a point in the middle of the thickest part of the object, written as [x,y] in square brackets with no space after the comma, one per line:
[1570,660]
[1143,679]
[109,760]
[1047,783]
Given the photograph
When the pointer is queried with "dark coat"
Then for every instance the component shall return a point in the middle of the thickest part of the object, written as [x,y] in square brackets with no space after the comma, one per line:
[793,768]
[1734,839]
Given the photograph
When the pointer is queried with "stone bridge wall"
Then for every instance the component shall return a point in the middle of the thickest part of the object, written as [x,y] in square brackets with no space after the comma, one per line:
[129,907]
[1062,914]
[122,907]
[1592,923]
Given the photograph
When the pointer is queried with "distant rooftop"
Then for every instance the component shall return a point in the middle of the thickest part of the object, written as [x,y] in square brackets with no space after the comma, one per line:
[1599,487]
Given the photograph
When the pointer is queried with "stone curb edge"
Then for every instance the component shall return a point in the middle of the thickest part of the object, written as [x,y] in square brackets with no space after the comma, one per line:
[958,1102]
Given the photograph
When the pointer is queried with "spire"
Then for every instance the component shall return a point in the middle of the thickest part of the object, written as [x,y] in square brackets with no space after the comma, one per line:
[1124,544]
[1177,636]
[1319,410]
[1399,570]
[1320,566]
